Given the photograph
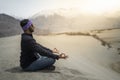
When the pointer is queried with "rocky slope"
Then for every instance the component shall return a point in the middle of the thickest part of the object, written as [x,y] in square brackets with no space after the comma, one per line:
[9,26]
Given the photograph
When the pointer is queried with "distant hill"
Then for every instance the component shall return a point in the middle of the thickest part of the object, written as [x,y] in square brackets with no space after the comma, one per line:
[9,26]
[52,23]
[57,22]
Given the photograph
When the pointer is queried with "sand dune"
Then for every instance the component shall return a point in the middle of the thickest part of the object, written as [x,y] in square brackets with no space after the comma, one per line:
[88,59]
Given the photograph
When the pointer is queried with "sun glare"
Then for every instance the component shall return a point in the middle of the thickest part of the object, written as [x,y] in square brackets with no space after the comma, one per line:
[99,6]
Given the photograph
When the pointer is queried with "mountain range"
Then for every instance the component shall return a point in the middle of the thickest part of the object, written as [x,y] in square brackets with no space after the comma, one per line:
[56,21]
[70,20]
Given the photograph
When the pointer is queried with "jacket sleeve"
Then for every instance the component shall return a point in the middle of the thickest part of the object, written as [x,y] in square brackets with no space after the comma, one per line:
[41,50]
[44,47]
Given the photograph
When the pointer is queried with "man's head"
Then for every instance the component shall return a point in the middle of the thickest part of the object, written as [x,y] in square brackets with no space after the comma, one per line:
[27,25]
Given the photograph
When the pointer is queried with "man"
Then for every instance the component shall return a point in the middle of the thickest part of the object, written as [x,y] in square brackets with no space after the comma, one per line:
[33,55]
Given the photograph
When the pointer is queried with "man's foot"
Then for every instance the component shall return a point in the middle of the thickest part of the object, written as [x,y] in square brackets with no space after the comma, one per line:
[50,68]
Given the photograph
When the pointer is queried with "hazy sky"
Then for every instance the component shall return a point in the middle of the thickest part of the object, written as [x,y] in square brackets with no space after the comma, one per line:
[26,8]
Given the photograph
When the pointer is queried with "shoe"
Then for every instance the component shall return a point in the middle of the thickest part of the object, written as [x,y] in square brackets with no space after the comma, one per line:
[50,68]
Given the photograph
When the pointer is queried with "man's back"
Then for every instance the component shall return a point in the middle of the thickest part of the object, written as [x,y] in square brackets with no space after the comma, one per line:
[27,55]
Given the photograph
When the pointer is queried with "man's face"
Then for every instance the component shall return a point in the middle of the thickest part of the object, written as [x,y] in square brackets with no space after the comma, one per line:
[31,29]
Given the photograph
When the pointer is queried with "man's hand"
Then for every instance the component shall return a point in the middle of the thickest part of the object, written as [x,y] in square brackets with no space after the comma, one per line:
[63,56]
[55,50]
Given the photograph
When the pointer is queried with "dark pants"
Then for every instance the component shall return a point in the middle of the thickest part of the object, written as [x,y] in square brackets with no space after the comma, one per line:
[41,63]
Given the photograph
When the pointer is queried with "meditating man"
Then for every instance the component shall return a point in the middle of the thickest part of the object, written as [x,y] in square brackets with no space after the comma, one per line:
[33,55]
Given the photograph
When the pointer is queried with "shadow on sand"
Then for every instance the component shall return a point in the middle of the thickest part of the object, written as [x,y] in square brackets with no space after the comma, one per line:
[18,69]
[60,73]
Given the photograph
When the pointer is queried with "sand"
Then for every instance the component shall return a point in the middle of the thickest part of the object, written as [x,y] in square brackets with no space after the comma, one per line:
[88,59]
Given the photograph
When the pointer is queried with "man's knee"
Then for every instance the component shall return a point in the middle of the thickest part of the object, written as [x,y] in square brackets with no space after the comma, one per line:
[52,61]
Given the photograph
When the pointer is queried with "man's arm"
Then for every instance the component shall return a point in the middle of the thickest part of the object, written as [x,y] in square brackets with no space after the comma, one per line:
[44,48]
[41,50]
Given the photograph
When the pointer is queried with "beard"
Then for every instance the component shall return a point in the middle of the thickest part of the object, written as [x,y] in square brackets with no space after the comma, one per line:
[31,29]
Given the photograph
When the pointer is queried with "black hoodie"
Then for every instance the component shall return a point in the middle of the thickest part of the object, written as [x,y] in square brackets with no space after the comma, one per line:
[28,49]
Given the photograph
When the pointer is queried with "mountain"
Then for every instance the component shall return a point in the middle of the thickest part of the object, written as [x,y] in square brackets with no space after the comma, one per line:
[55,22]
[51,23]
[9,26]
[72,12]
